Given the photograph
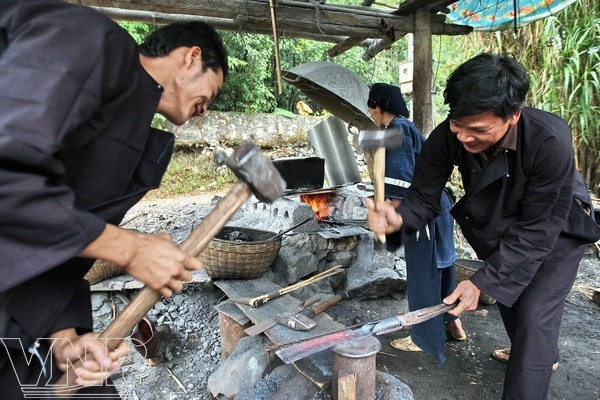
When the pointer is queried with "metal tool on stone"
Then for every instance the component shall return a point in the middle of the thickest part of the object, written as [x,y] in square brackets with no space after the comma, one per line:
[256,175]
[271,322]
[289,229]
[302,321]
[299,321]
[378,142]
[262,299]
[304,348]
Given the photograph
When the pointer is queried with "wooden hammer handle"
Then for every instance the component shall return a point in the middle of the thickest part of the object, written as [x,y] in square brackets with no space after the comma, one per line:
[137,309]
[319,308]
[379,183]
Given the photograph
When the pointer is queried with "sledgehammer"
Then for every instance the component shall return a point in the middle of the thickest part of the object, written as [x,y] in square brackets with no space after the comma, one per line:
[378,142]
[256,176]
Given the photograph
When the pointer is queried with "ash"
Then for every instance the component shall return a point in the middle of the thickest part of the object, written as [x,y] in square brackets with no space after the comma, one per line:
[194,351]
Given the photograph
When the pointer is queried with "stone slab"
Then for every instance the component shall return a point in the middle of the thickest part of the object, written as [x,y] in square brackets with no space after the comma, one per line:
[128,282]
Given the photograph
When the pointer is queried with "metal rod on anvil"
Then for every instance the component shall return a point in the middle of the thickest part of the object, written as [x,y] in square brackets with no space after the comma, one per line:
[306,347]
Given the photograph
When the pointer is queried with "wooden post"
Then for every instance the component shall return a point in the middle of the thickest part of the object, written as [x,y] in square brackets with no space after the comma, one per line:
[346,386]
[422,81]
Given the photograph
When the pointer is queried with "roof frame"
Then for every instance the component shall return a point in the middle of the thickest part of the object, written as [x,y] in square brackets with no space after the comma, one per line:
[345,26]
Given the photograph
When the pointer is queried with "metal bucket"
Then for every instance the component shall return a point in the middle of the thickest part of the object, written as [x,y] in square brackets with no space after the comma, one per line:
[305,173]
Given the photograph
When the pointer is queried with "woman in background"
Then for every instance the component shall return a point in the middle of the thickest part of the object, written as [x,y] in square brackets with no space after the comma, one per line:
[430,252]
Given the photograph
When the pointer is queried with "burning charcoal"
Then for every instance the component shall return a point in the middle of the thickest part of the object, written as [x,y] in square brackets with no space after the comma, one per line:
[237,236]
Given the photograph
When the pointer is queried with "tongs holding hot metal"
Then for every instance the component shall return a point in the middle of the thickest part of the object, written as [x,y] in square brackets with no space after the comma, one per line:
[397,322]
[304,348]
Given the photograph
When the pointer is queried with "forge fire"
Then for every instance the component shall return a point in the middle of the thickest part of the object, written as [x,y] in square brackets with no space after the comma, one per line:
[320,204]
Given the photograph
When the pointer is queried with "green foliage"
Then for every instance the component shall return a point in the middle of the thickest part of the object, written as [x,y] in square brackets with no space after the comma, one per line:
[562,54]
[249,86]
[192,172]
[285,113]
[448,53]
[252,84]
[137,30]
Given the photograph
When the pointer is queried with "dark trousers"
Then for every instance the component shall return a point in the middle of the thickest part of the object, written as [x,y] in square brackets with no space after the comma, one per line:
[533,323]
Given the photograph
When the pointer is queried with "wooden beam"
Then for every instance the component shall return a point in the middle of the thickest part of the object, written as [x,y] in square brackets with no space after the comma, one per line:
[377,47]
[408,7]
[217,23]
[205,8]
[330,20]
[346,45]
[346,26]
[294,18]
[423,73]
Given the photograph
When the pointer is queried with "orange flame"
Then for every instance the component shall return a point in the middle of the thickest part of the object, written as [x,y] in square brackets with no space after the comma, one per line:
[319,204]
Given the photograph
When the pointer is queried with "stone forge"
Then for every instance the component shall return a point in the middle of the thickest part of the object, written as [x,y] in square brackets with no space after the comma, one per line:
[249,370]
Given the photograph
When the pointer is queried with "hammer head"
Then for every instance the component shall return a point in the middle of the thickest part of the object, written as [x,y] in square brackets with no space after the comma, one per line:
[389,138]
[250,166]
[297,322]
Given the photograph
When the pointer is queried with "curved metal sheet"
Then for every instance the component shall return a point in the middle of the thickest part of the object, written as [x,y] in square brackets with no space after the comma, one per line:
[337,89]
[329,139]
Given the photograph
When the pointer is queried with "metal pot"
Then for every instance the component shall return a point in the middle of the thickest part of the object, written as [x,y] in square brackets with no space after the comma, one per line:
[301,173]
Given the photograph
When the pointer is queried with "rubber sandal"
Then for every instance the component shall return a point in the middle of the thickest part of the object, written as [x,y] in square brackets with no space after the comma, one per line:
[405,344]
[503,355]
[454,332]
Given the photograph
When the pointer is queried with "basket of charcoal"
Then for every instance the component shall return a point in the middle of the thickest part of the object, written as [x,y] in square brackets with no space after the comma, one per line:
[465,269]
[240,253]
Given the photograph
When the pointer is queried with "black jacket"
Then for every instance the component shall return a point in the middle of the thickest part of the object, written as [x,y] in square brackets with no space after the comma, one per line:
[76,151]
[515,208]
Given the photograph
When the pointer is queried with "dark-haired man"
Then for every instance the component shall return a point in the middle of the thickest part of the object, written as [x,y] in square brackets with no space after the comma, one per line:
[525,212]
[77,97]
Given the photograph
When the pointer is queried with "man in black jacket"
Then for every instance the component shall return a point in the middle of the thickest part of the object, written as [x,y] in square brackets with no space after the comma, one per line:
[525,212]
[77,98]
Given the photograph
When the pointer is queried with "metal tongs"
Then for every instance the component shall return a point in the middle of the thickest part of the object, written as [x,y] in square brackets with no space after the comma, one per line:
[397,322]
[263,298]
[307,347]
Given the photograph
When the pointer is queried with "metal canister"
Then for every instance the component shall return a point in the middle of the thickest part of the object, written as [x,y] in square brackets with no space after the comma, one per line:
[232,323]
[354,369]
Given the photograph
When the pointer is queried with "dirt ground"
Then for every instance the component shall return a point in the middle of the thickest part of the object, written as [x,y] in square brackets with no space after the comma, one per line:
[469,373]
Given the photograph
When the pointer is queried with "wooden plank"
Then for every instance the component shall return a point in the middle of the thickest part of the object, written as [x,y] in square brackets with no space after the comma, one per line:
[346,387]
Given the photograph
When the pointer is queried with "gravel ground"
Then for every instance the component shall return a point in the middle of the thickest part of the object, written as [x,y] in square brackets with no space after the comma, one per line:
[470,373]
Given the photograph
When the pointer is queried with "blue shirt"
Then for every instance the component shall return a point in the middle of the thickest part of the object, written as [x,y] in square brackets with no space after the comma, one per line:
[400,162]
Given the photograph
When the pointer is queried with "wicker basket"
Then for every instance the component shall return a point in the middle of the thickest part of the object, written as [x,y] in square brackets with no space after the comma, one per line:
[228,259]
[465,269]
